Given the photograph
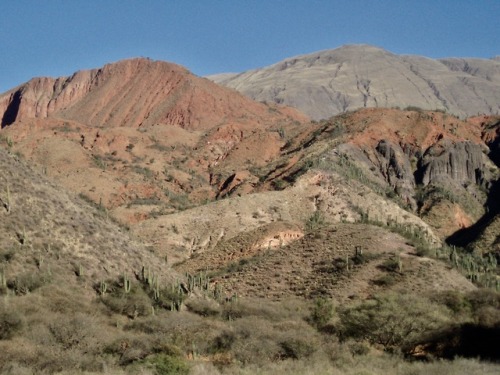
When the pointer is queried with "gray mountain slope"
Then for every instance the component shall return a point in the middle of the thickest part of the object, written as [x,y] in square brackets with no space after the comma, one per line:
[329,82]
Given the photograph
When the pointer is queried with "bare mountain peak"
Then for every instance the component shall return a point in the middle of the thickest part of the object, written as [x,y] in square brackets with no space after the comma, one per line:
[329,82]
[132,92]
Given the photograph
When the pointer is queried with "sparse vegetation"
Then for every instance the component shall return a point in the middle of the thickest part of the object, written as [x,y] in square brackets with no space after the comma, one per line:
[289,284]
[315,221]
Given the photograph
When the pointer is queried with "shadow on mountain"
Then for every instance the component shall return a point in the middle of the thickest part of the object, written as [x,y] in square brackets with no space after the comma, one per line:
[465,236]
[12,110]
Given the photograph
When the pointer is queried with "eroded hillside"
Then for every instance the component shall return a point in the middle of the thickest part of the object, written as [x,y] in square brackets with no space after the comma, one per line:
[330,82]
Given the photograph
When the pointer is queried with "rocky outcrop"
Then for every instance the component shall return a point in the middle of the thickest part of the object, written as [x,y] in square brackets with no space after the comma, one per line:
[326,83]
[396,168]
[462,162]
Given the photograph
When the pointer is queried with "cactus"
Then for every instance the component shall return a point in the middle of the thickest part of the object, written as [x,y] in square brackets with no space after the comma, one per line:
[3,279]
[7,203]
[39,261]
[79,271]
[400,264]
[22,237]
[126,284]
[156,290]
[103,288]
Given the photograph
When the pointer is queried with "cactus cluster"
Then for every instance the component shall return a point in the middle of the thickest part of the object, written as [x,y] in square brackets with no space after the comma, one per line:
[478,269]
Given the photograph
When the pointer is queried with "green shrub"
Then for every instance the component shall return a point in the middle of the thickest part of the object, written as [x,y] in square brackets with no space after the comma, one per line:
[321,313]
[168,365]
[203,307]
[132,304]
[391,320]
[385,280]
[455,301]
[10,323]
[298,347]
[28,282]
[316,221]
[223,342]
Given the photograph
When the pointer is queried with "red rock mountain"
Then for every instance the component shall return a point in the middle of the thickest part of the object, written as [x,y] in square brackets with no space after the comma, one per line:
[136,92]
[141,131]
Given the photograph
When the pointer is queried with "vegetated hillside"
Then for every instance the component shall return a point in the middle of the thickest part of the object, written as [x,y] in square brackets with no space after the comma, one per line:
[428,162]
[138,132]
[75,298]
[68,273]
[330,260]
[330,82]
[45,231]
[300,242]
[439,166]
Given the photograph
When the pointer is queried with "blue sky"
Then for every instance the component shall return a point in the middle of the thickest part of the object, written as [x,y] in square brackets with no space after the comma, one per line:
[58,37]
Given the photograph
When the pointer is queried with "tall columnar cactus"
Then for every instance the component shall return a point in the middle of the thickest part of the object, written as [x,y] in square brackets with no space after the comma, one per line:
[126,284]
[3,279]
[7,203]
[156,289]
[103,287]
[218,293]
[80,270]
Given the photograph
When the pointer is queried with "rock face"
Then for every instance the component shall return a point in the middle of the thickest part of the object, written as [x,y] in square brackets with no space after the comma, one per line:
[396,168]
[461,162]
[329,82]
[438,166]
[131,93]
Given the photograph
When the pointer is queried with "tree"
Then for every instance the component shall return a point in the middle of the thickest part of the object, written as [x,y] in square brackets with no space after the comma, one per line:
[392,320]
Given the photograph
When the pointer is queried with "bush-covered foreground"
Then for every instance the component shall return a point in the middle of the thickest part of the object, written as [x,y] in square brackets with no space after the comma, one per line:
[63,330]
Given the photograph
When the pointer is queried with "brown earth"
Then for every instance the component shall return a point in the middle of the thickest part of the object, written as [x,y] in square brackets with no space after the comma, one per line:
[140,133]
[316,265]
[135,93]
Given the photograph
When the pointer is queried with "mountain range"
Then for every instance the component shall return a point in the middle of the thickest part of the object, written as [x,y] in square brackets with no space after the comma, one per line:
[153,221]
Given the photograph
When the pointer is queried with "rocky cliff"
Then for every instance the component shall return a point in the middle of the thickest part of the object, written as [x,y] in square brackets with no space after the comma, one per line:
[430,162]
